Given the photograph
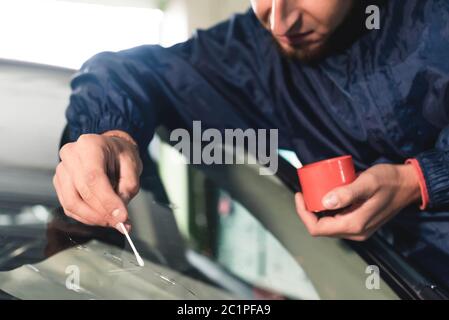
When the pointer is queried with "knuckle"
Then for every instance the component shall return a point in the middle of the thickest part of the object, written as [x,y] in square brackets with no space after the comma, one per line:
[70,205]
[98,220]
[133,188]
[347,195]
[372,180]
[65,150]
[109,207]
[85,193]
[88,141]
[85,138]
[58,170]
[91,177]
[357,228]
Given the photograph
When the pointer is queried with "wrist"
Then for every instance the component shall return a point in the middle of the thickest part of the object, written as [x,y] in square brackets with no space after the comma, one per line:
[415,172]
[410,183]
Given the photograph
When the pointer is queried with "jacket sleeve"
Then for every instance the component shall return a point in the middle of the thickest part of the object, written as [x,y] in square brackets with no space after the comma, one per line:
[434,162]
[434,165]
[216,77]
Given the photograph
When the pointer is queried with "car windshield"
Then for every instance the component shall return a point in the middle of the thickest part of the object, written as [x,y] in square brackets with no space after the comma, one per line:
[188,229]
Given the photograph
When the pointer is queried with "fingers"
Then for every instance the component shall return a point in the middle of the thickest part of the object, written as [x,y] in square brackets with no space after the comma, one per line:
[361,189]
[327,226]
[74,203]
[71,168]
[83,180]
[70,200]
[350,225]
[315,226]
[310,219]
[96,190]
[359,208]
[129,180]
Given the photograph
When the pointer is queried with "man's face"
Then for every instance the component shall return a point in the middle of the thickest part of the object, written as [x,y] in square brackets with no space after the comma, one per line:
[302,28]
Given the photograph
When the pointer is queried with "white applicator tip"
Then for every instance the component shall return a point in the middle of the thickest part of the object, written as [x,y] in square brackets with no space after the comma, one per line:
[136,254]
[140,261]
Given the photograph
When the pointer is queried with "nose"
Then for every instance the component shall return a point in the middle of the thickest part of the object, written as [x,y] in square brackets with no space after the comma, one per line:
[283,16]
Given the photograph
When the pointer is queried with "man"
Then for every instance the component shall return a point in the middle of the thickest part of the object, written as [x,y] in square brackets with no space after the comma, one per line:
[309,68]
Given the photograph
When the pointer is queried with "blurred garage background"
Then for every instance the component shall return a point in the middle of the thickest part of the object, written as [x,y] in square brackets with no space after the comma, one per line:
[62,35]
[65,34]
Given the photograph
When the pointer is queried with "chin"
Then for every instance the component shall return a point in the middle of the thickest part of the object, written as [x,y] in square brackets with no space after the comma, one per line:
[309,54]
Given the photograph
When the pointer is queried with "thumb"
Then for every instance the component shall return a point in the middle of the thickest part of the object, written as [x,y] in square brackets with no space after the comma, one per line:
[344,196]
[129,181]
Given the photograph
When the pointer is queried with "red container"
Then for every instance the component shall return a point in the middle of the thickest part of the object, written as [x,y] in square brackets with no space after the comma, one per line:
[319,178]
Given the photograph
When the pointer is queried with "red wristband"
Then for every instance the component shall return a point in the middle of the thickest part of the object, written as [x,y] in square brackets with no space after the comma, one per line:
[422,183]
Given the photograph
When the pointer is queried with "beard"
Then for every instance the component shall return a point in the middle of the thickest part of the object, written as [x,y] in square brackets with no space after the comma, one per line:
[305,54]
[351,29]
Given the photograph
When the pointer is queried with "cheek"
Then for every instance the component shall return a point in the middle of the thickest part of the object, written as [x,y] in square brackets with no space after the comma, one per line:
[262,9]
[327,14]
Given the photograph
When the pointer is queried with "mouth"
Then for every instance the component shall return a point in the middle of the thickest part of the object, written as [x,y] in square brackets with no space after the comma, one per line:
[297,38]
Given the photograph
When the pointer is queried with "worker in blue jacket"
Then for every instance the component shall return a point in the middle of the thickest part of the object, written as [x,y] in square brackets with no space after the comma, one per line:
[314,70]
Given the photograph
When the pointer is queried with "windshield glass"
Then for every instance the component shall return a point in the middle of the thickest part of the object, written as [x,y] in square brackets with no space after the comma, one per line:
[188,229]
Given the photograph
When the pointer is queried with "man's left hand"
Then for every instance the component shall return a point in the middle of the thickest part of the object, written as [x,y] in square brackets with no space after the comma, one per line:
[363,206]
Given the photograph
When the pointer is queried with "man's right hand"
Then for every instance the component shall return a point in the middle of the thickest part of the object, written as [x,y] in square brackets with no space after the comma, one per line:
[97,177]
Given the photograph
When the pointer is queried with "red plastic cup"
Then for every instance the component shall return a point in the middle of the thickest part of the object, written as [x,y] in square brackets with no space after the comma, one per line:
[319,178]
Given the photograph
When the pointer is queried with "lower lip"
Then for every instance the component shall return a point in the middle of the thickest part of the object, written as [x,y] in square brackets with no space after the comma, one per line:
[296,39]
